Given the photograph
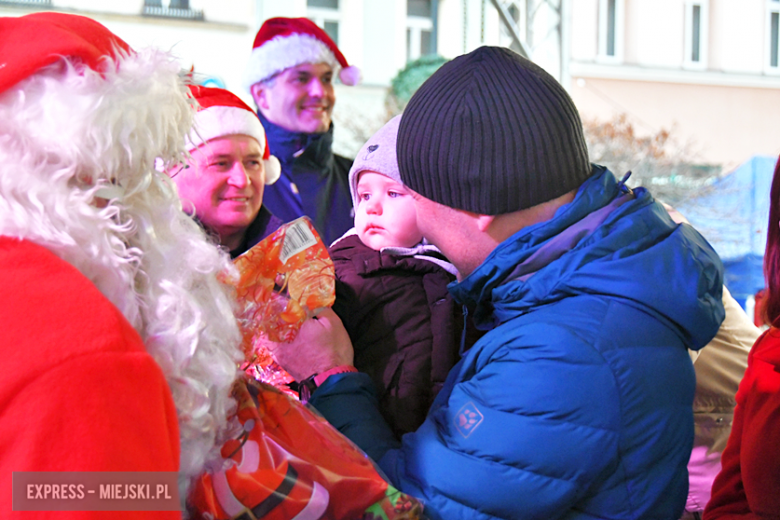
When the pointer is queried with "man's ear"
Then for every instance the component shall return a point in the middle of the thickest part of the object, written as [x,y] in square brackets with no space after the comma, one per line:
[258,94]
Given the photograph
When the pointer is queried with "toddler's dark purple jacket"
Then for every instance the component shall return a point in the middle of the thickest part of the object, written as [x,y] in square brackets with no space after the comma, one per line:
[404,326]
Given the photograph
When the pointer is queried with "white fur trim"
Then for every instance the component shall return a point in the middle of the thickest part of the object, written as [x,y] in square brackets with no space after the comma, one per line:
[283,52]
[350,76]
[219,121]
[273,170]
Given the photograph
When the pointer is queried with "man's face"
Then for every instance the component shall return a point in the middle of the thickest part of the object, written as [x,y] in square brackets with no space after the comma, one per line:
[299,99]
[223,184]
[453,231]
[385,215]
[430,218]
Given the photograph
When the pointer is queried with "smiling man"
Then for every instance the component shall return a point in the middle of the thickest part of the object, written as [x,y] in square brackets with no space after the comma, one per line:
[290,75]
[222,184]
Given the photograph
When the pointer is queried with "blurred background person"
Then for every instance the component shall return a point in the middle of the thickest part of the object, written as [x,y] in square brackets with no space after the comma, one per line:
[290,75]
[719,368]
[222,183]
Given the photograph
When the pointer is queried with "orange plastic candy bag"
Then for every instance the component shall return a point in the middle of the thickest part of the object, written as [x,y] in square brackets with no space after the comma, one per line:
[284,280]
[289,463]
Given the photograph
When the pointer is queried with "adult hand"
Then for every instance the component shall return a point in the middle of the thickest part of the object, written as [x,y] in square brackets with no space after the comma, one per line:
[321,344]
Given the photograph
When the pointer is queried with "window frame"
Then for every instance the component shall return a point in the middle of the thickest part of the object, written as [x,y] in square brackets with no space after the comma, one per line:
[617,31]
[704,32]
[320,15]
[415,25]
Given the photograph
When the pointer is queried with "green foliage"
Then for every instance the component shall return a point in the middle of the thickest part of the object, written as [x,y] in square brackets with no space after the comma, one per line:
[409,79]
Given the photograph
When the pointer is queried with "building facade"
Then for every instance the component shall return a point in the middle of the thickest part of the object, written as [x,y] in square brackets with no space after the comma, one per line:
[706,69]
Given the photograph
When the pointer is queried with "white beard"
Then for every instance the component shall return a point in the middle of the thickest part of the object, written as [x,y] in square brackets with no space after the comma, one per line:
[66,132]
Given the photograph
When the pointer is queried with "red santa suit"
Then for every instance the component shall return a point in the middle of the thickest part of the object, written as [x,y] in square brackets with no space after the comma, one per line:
[118,340]
[749,484]
[79,392]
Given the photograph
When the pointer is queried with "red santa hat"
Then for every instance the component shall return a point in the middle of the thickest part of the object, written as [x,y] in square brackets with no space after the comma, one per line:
[282,43]
[31,42]
[222,113]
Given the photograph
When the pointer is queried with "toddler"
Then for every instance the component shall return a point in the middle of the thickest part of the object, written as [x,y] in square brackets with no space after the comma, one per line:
[391,290]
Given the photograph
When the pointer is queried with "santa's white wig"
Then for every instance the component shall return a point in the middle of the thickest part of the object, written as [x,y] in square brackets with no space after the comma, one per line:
[70,138]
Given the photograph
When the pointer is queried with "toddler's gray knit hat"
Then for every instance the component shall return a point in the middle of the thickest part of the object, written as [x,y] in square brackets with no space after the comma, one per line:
[378,155]
[492,133]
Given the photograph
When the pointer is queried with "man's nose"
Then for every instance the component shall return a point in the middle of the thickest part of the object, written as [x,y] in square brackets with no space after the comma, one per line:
[239,176]
[316,88]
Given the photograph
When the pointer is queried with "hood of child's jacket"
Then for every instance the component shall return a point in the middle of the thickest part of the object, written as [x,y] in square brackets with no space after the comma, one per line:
[635,253]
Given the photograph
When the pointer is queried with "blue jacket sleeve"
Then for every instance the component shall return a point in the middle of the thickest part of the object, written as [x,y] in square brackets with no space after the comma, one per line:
[348,401]
[494,444]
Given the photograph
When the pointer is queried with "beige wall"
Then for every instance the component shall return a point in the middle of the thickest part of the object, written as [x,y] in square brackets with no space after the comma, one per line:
[724,124]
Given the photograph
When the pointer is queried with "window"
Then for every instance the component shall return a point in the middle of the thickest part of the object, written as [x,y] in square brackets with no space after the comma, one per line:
[332,30]
[419,29]
[696,33]
[611,30]
[773,18]
[326,14]
[327,4]
[773,40]
[419,8]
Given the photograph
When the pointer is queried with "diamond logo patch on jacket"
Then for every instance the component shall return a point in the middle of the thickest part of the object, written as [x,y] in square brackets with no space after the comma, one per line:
[468,418]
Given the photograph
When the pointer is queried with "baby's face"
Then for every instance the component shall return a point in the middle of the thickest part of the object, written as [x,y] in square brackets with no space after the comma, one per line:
[385,216]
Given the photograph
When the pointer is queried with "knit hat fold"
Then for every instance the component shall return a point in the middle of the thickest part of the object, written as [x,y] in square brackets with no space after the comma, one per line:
[377,155]
[493,133]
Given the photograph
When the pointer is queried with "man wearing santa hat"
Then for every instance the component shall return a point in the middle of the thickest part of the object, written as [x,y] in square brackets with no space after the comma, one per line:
[119,345]
[290,76]
[223,181]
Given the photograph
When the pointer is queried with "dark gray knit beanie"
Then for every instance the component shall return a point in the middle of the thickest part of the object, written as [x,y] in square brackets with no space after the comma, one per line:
[492,133]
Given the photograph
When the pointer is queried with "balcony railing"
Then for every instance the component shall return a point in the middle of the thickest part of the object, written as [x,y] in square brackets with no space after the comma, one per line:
[26,3]
[172,12]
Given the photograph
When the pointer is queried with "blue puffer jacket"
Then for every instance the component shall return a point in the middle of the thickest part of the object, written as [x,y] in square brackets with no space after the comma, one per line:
[577,402]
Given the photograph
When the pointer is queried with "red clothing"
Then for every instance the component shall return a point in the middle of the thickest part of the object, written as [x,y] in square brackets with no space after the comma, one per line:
[749,484]
[79,392]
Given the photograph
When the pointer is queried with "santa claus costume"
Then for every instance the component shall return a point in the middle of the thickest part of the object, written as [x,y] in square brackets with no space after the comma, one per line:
[119,342]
